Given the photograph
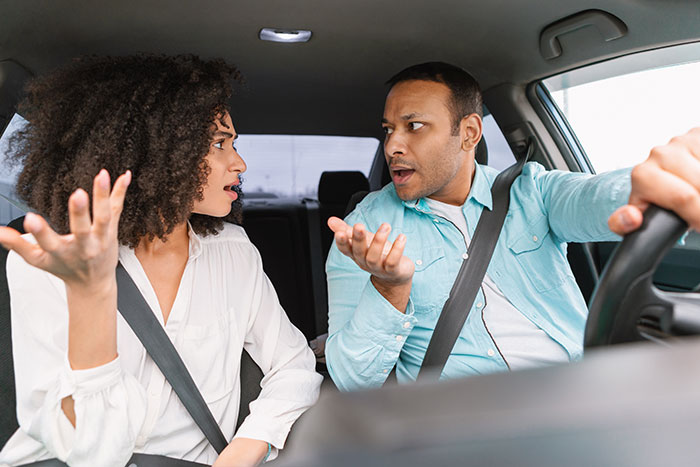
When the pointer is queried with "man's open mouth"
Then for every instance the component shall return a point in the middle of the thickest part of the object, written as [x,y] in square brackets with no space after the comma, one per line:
[400,176]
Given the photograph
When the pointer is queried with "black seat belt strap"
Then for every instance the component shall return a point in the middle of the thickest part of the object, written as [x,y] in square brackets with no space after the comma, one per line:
[140,317]
[318,282]
[471,274]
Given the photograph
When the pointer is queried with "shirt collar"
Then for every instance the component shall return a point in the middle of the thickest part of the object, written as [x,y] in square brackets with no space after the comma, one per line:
[195,245]
[481,188]
[195,242]
[480,192]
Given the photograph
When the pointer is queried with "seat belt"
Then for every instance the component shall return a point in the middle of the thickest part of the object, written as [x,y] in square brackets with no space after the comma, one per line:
[140,317]
[318,282]
[471,274]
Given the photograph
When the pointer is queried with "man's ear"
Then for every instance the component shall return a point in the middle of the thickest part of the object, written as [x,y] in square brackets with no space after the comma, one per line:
[470,128]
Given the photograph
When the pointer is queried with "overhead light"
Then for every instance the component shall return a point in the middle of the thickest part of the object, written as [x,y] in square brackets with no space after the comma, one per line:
[285,35]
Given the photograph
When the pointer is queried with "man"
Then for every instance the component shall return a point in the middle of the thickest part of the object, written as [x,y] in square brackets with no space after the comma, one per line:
[391,272]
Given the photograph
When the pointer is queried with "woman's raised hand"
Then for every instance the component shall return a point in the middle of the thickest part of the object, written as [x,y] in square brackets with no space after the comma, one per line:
[87,256]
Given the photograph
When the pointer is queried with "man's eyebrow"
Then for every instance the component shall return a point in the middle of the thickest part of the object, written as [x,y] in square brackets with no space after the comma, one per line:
[411,116]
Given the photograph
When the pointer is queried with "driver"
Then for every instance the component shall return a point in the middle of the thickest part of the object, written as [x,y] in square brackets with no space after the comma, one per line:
[398,253]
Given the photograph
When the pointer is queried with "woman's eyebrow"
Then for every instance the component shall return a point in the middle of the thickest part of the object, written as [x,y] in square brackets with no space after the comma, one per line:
[225,134]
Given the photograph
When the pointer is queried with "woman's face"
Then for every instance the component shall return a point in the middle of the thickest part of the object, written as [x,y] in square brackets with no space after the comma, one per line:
[225,167]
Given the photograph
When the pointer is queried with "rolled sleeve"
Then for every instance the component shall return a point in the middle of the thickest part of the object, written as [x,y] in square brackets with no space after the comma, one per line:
[365,336]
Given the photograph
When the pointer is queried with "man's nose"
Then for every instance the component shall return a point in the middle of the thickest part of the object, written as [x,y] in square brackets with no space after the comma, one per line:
[394,144]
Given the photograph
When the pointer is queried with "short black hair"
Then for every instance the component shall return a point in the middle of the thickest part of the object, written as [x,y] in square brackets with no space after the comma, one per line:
[465,90]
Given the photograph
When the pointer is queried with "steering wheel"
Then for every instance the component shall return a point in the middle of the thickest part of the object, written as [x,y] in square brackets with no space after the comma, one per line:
[626,306]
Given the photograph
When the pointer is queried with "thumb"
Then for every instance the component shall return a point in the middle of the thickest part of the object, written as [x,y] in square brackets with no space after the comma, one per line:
[336,224]
[626,219]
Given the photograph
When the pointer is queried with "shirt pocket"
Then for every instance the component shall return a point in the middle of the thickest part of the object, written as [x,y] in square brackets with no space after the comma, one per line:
[207,354]
[426,292]
[535,251]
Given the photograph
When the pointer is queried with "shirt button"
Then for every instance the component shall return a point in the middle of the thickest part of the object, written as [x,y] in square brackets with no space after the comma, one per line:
[385,371]
[437,221]
[465,256]
[406,325]
[479,305]
[399,338]
[534,238]
[419,262]
[491,353]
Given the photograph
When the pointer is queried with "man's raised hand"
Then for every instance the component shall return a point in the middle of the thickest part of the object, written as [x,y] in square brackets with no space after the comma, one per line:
[392,272]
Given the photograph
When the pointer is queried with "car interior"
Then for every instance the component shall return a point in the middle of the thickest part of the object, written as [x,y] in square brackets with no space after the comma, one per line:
[525,55]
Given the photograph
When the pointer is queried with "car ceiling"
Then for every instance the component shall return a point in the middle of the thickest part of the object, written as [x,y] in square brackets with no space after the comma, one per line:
[334,83]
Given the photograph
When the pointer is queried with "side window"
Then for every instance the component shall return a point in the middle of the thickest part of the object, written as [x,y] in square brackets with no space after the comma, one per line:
[291,165]
[619,119]
[620,109]
[8,175]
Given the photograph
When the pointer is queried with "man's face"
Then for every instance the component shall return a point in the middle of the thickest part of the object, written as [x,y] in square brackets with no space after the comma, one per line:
[423,155]
[225,167]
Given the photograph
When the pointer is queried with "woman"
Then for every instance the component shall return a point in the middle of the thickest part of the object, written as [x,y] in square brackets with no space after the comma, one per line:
[87,391]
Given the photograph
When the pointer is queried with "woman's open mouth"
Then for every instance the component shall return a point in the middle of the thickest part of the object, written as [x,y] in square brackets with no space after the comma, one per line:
[229,189]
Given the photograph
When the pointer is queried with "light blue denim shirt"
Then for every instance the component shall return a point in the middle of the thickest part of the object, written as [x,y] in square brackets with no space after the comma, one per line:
[367,335]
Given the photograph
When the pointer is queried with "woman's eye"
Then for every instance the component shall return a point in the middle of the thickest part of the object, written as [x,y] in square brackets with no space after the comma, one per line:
[218,145]
[415,125]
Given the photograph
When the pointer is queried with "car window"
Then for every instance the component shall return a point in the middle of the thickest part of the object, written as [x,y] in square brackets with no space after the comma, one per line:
[8,174]
[291,165]
[618,119]
[618,110]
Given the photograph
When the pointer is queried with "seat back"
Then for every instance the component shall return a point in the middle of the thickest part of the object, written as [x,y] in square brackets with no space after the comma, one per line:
[279,229]
[334,192]
[8,403]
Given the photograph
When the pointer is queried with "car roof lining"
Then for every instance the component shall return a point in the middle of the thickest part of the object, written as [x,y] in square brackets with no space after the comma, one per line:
[333,84]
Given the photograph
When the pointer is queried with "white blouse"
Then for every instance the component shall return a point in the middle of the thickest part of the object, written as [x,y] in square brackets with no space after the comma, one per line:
[224,303]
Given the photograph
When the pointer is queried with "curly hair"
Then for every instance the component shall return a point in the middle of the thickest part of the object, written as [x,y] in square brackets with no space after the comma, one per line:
[152,114]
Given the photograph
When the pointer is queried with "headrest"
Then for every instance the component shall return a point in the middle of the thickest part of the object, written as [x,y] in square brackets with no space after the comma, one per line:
[338,187]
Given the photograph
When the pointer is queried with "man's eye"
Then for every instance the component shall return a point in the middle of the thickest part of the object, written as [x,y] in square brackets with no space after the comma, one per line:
[415,125]
[387,130]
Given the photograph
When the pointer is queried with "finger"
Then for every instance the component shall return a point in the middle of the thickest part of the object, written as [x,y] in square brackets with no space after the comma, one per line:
[12,240]
[45,236]
[78,215]
[116,199]
[393,259]
[375,252]
[341,241]
[359,244]
[626,219]
[676,194]
[101,212]
[689,141]
[336,224]
[678,159]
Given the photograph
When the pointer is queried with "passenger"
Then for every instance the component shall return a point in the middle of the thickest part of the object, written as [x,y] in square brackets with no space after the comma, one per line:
[384,304]
[87,392]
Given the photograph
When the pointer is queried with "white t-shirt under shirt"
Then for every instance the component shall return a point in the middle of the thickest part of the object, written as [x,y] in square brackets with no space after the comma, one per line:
[520,341]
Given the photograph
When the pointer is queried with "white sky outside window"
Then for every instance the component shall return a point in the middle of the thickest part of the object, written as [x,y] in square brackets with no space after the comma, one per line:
[618,120]
[291,165]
